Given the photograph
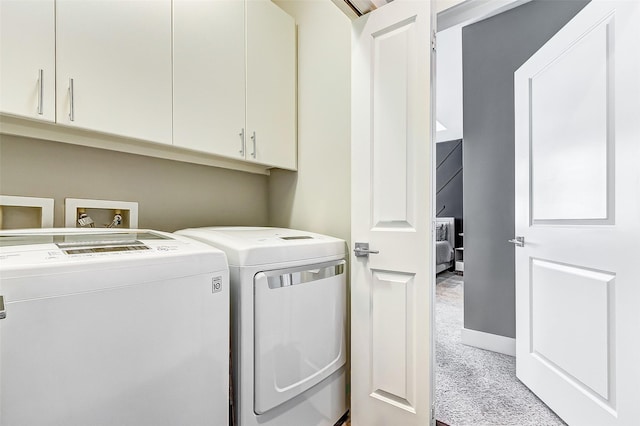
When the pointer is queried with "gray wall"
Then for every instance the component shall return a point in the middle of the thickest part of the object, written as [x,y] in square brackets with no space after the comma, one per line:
[491,51]
[449,183]
[171,194]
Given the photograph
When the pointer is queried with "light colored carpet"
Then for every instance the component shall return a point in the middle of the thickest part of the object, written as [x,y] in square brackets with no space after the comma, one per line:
[474,386]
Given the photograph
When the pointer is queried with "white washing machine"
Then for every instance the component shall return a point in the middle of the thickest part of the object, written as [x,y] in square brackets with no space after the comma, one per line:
[288,302]
[120,327]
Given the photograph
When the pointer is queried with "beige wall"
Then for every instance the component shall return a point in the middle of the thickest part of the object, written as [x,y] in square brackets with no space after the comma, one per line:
[317,198]
[171,195]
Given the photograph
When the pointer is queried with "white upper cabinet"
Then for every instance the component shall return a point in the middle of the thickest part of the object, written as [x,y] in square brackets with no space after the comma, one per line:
[216,77]
[113,62]
[208,76]
[222,104]
[27,58]
[271,85]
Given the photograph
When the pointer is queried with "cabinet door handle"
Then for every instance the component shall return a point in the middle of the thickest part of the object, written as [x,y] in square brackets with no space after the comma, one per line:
[71,109]
[253,138]
[40,89]
[241,134]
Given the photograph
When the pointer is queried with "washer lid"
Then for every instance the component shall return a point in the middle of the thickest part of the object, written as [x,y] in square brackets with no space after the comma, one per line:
[249,246]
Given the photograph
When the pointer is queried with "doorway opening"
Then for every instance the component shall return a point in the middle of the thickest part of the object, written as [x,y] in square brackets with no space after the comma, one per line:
[474,303]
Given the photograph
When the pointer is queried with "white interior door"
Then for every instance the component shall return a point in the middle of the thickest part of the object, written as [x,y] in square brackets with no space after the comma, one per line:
[577,207]
[391,180]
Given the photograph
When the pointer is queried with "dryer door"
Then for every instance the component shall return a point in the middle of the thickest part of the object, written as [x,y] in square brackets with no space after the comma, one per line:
[299,323]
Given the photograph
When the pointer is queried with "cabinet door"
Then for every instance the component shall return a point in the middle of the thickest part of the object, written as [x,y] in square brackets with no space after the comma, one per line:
[114,67]
[27,58]
[271,85]
[208,76]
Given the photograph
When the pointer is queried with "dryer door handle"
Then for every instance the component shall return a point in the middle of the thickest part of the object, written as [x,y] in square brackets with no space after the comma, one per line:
[303,275]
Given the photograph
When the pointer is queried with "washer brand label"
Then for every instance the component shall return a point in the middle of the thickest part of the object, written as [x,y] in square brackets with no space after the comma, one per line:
[216,284]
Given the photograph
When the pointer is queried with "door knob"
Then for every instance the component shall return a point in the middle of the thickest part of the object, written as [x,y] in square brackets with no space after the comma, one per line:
[518,241]
[362,250]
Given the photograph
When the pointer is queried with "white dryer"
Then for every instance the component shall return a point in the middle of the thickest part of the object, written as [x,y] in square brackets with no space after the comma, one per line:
[120,327]
[288,298]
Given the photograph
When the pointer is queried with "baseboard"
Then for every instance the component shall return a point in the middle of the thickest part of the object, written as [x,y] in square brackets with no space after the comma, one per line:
[488,341]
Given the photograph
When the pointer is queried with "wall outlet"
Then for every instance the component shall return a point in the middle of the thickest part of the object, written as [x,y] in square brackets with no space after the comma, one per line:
[25,212]
[101,212]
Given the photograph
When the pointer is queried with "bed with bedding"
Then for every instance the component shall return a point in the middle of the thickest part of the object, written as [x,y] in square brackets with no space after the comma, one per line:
[445,243]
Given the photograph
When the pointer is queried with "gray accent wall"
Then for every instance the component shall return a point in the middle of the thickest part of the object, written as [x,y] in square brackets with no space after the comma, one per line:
[449,183]
[491,51]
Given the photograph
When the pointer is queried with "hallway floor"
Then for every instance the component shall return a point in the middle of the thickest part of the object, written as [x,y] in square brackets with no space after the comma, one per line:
[474,386]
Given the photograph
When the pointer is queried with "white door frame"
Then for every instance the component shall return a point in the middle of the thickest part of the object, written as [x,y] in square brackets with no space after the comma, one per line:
[471,11]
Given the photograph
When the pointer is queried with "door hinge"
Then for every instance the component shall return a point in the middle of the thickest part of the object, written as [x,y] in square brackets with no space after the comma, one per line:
[433,40]
[433,412]
[3,312]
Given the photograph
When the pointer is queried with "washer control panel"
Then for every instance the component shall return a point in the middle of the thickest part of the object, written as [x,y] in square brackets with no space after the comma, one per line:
[28,248]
